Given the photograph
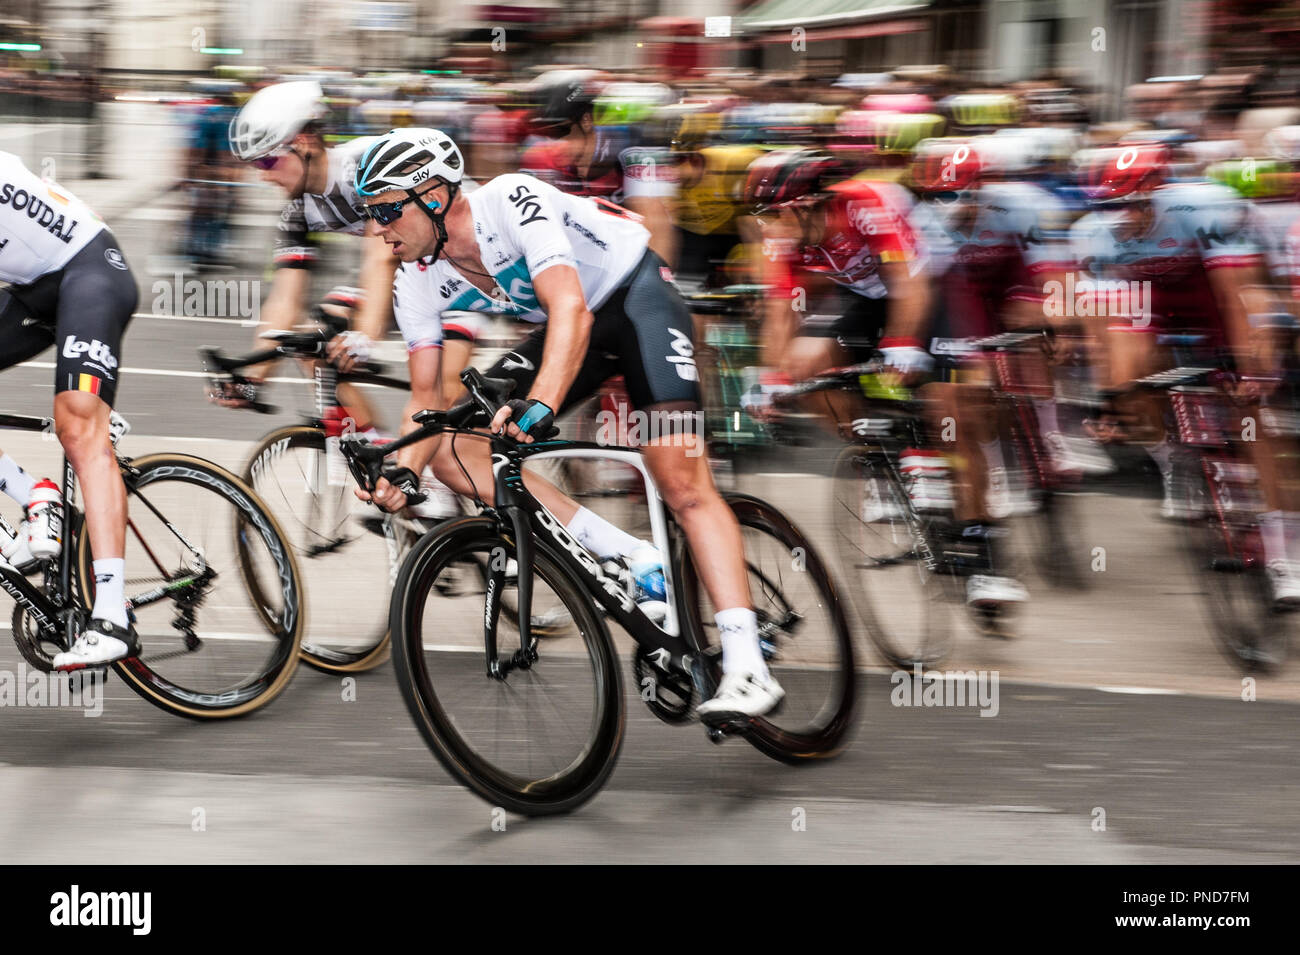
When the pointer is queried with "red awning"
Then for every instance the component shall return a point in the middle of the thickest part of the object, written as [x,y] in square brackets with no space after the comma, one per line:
[673,26]
[856,32]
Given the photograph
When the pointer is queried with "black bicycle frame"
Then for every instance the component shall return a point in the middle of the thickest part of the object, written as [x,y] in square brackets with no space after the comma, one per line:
[51,613]
[523,516]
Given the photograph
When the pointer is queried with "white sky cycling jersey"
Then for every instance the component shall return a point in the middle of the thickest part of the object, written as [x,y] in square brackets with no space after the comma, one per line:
[524,227]
[42,225]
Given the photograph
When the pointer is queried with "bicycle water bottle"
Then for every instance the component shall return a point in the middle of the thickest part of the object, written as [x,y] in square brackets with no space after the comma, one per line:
[45,520]
[647,569]
[9,546]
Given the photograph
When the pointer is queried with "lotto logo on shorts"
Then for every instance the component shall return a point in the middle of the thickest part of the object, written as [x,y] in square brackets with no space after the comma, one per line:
[88,383]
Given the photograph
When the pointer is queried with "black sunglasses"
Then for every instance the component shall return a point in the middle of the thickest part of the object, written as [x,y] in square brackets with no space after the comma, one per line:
[386,213]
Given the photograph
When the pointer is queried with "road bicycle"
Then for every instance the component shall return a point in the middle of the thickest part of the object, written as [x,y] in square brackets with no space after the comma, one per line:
[1220,486]
[536,727]
[198,544]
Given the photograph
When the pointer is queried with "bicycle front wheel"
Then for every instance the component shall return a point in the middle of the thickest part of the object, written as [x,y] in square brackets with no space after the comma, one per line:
[883,558]
[544,737]
[349,550]
[1225,551]
[196,537]
[802,630]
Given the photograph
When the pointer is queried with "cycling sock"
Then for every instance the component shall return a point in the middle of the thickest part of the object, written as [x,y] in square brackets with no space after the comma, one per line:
[600,536]
[14,481]
[110,584]
[1272,532]
[740,651]
[992,451]
[1291,524]
[1163,455]
[1045,408]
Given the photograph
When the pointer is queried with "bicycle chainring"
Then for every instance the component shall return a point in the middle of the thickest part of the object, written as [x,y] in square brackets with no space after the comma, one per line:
[36,651]
[670,696]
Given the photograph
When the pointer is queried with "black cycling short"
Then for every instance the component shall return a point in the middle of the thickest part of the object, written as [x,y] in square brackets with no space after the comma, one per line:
[643,332]
[83,309]
[854,321]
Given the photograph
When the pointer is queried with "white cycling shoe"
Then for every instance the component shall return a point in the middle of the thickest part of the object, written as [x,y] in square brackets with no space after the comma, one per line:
[100,643]
[440,502]
[983,590]
[1071,453]
[741,696]
[1284,579]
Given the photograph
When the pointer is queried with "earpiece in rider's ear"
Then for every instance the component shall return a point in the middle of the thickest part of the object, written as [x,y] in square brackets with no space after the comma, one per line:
[433,206]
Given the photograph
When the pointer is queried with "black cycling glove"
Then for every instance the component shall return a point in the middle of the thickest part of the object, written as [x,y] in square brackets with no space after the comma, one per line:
[533,418]
[406,481]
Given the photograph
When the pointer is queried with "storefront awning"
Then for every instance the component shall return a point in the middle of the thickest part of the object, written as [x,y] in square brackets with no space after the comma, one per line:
[883,28]
[787,14]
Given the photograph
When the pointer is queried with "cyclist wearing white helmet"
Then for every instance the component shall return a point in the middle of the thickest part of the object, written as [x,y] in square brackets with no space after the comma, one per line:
[520,246]
[278,130]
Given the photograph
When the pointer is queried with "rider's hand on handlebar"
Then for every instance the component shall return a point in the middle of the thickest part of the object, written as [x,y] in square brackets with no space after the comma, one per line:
[230,393]
[906,358]
[349,350]
[392,490]
[536,417]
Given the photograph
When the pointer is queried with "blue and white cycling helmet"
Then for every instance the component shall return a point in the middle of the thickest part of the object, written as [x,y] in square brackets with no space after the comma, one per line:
[403,159]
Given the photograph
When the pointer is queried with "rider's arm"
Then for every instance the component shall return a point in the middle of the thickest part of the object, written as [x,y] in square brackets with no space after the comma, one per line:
[657,217]
[281,308]
[649,189]
[1240,292]
[294,256]
[1235,265]
[776,245]
[568,332]
[909,300]
[426,392]
[378,266]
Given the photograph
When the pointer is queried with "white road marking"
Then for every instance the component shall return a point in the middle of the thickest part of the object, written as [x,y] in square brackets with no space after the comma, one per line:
[169,373]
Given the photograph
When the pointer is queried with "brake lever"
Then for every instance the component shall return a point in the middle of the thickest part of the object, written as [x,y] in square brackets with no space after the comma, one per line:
[365,467]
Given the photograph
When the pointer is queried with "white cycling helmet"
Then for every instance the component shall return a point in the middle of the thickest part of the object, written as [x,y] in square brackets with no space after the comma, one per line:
[273,116]
[406,158]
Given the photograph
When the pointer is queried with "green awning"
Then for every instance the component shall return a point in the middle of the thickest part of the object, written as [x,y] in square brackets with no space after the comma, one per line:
[785,14]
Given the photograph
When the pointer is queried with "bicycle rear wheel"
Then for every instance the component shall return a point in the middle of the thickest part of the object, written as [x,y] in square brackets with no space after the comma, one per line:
[900,600]
[196,536]
[802,629]
[348,550]
[544,738]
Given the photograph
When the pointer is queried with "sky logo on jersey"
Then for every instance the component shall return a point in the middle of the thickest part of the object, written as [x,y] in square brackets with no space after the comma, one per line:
[527,203]
[42,213]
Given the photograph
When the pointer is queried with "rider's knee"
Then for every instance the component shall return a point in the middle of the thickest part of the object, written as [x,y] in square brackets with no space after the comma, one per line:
[79,426]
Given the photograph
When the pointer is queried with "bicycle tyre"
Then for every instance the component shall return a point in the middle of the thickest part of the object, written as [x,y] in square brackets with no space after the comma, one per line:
[1236,595]
[865,547]
[560,792]
[253,517]
[370,647]
[834,721]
